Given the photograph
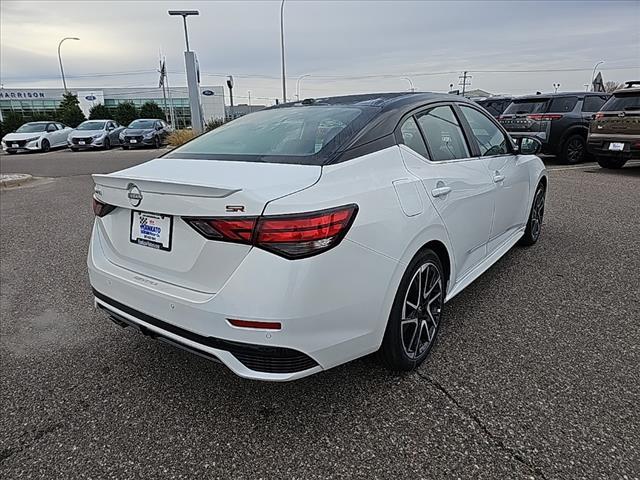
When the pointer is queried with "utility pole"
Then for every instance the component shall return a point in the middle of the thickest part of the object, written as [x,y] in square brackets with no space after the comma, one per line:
[284,81]
[164,91]
[463,82]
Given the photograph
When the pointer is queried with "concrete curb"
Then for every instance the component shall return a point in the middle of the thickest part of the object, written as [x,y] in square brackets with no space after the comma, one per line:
[14,179]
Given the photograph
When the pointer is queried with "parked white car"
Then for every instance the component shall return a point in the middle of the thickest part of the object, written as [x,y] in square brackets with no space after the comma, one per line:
[306,235]
[36,136]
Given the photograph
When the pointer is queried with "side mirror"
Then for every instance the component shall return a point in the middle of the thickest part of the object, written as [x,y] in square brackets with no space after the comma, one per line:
[529,145]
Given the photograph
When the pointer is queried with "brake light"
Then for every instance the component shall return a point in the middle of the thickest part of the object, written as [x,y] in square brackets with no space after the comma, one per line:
[543,117]
[100,209]
[599,115]
[290,236]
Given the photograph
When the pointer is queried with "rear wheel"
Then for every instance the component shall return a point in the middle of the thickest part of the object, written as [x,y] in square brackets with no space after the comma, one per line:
[611,162]
[534,225]
[45,146]
[574,149]
[415,315]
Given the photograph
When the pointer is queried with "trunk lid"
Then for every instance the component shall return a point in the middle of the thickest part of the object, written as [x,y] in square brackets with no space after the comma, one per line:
[193,188]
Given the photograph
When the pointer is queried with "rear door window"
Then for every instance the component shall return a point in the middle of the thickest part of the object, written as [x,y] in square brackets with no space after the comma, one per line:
[412,137]
[529,105]
[562,104]
[593,103]
[443,133]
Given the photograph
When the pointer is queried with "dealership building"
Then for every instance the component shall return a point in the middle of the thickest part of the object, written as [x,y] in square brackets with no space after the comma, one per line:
[45,101]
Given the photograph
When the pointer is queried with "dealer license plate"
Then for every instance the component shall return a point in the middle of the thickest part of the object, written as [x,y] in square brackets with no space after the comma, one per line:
[15,145]
[133,140]
[151,230]
[616,146]
[81,142]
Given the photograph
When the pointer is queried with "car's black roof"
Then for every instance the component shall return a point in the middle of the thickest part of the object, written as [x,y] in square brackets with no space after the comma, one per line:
[558,94]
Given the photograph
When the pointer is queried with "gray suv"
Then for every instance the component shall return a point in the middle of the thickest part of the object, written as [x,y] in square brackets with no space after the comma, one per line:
[559,120]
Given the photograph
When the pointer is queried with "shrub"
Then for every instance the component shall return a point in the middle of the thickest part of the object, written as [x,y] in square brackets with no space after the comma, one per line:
[12,120]
[212,124]
[151,110]
[99,112]
[180,137]
[125,113]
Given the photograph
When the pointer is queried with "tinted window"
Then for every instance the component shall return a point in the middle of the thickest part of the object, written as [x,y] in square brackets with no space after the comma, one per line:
[531,105]
[60,126]
[622,101]
[495,107]
[298,134]
[562,104]
[412,137]
[444,135]
[593,103]
[490,138]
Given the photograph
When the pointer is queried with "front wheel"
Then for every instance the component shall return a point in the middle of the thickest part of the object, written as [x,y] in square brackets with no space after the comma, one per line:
[416,314]
[45,146]
[124,147]
[157,143]
[574,149]
[107,144]
[534,224]
[611,162]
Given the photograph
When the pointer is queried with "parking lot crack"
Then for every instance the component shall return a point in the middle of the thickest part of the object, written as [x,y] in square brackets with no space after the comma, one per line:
[34,436]
[515,454]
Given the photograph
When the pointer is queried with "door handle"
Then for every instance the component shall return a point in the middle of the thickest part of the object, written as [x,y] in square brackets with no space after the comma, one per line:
[440,191]
[497,178]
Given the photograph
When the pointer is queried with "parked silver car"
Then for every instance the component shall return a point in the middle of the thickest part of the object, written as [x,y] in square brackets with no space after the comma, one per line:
[95,134]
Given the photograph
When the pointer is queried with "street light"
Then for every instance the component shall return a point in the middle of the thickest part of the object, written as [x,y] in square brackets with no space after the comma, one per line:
[410,83]
[594,71]
[184,14]
[298,84]
[284,83]
[556,86]
[64,82]
[192,74]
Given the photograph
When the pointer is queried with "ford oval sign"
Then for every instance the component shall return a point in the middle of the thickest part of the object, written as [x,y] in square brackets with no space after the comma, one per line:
[90,98]
[208,93]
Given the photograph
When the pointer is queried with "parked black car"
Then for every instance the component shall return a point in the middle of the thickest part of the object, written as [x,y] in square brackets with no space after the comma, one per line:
[145,132]
[614,135]
[495,105]
[559,120]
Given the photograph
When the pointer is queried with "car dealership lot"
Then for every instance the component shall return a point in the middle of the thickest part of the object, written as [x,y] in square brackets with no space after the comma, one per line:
[534,376]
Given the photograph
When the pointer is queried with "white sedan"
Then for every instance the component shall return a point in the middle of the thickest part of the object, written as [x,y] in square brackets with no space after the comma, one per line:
[36,136]
[306,235]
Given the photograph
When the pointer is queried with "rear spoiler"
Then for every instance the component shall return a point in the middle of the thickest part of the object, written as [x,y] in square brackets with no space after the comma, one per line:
[164,187]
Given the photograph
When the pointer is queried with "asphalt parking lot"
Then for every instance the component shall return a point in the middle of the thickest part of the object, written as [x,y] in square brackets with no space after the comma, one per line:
[535,374]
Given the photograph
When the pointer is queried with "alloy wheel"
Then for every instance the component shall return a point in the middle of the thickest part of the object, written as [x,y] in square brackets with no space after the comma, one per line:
[537,212]
[421,310]
[575,151]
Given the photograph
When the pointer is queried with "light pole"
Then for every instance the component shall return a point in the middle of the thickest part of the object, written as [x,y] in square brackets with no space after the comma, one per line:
[284,82]
[64,82]
[192,74]
[594,71]
[298,84]
[556,86]
[410,83]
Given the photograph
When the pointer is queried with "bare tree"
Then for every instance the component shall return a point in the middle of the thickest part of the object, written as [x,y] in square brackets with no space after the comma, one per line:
[611,86]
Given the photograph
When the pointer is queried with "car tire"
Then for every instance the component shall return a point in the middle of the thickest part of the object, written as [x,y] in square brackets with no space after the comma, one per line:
[124,147]
[11,152]
[45,146]
[611,162]
[157,143]
[534,223]
[106,144]
[411,332]
[73,149]
[574,149]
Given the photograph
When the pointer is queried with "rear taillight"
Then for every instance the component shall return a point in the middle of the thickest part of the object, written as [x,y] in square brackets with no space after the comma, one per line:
[290,236]
[543,117]
[598,115]
[101,209]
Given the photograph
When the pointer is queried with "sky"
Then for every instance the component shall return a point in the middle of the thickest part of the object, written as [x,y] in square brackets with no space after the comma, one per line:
[345,47]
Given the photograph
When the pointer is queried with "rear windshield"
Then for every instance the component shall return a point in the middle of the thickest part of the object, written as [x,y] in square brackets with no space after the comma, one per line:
[621,102]
[530,105]
[297,134]
[494,107]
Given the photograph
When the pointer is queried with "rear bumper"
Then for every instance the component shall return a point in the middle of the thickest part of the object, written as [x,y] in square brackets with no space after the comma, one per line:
[326,319]
[599,145]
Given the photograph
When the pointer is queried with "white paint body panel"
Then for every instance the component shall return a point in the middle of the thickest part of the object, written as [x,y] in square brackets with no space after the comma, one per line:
[334,306]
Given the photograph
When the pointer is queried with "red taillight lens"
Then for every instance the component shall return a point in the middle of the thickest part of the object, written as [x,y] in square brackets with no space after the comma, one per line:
[290,236]
[599,115]
[255,324]
[101,209]
[543,117]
